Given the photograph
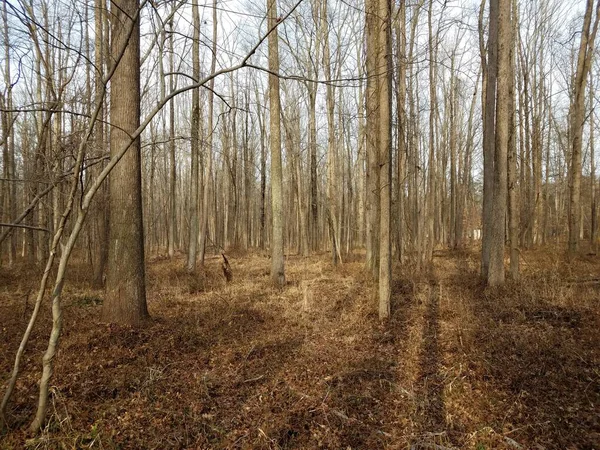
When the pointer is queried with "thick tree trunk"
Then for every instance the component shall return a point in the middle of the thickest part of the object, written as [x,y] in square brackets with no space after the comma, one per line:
[125,300]
[489,108]
[496,227]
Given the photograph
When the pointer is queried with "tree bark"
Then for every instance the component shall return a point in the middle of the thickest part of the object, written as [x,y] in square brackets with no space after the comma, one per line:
[384,62]
[209,146]
[277,263]
[125,300]
[577,119]
[513,206]
[172,221]
[496,227]
[489,108]
[373,24]
[195,145]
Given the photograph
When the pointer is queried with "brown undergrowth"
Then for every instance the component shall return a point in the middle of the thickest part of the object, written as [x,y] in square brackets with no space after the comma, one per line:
[244,365]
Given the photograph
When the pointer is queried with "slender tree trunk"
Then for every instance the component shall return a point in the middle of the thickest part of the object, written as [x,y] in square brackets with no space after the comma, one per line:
[453,156]
[593,214]
[431,179]
[9,142]
[248,171]
[332,180]
[373,24]
[513,207]
[195,145]
[209,147]
[277,263]
[576,116]
[384,62]
[101,208]
[401,132]
[172,164]
[312,139]
[361,157]
[262,242]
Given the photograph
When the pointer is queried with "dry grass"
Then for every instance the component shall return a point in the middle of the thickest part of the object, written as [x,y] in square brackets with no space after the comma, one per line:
[244,365]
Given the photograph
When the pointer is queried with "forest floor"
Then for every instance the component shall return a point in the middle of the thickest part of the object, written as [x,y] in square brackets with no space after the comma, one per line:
[243,365]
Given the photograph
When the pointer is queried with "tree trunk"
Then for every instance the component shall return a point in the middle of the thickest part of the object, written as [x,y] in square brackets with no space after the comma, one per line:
[277,264]
[593,214]
[513,206]
[101,209]
[401,132]
[489,108]
[125,300]
[9,143]
[497,225]
[209,146]
[576,116]
[373,24]
[384,62]
[172,164]
[195,145]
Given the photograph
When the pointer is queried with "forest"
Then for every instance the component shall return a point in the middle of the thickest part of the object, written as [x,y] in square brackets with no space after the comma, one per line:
[278,224]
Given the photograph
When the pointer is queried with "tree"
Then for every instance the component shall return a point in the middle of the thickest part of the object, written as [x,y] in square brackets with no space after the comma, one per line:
[125,300]
[379,108]
[593,206]
[172,222]
[384,62]
[277,265]
[332,150]
[101,212]
[488,109]
[195,146]
[209,144]
[513,210]
[372,204]
[9,203]
[577,119]
[496,228]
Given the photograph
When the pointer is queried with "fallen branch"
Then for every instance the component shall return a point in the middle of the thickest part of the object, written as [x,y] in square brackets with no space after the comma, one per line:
[28,227]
